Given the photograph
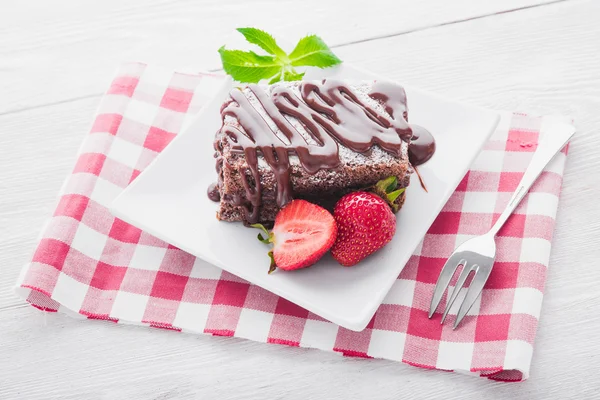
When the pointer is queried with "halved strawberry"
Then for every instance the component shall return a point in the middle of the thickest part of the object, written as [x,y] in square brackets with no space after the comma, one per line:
[302,234]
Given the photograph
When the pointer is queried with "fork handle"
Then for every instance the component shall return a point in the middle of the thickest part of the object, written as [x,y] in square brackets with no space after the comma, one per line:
[554,136]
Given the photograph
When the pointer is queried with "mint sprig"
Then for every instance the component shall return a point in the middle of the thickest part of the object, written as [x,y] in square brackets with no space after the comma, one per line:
[249,67]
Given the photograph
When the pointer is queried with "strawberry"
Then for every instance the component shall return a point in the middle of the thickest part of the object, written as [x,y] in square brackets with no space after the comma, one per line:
[365,222]
[302,234]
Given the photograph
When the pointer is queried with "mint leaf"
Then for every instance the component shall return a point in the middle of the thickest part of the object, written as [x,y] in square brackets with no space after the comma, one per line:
[287,76]
[265,41]
[275,79]
[247,66]
[293,76]
[312,51]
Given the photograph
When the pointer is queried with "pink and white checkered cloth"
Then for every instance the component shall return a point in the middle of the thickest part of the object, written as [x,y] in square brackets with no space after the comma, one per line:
[89,263]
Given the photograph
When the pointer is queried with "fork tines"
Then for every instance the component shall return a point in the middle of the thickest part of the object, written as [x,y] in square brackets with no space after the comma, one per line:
[481,272]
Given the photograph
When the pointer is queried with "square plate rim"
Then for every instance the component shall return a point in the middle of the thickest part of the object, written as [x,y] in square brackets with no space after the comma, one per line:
[359,323]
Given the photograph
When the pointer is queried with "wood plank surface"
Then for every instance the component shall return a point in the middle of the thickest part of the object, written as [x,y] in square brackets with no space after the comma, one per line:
[66,49]
[543,60]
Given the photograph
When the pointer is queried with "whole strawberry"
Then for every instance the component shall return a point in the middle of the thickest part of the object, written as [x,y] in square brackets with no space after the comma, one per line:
[365,223]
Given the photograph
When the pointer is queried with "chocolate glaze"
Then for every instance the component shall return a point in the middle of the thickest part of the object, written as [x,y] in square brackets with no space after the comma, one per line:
[330,113]
[213,192]
[353,123]
[422,145]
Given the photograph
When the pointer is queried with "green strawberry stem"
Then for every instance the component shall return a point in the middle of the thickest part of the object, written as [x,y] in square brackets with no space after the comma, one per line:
[387,184]
[394,195]
[388,190]
[267,239]
[272,267]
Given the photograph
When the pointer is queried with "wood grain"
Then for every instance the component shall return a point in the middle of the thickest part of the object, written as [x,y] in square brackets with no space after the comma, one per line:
[59,50]
[539,60]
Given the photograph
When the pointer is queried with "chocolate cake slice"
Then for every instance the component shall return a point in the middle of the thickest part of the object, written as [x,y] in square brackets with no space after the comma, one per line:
[315,140]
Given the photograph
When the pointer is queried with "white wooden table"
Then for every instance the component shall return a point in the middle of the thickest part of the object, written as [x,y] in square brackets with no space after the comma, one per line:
[56,58]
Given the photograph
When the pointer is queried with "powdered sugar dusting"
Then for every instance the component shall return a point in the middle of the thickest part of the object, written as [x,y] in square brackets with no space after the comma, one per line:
[347,156]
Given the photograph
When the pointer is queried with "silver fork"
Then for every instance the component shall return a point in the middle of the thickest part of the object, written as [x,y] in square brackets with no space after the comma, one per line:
[477,255]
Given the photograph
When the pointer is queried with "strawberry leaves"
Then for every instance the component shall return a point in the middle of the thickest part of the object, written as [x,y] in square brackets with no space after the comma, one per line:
[272,266]
[268,238]
[250,67]
[388,190]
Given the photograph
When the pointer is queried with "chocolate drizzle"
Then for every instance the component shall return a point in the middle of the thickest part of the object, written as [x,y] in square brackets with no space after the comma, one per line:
[422,145]
[353,123]
[330,113]
[213,192]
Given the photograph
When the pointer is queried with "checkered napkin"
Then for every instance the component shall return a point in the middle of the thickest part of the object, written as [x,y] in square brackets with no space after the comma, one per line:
[91,264]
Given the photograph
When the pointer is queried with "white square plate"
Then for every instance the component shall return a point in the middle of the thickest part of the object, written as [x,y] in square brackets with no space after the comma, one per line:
[169,201]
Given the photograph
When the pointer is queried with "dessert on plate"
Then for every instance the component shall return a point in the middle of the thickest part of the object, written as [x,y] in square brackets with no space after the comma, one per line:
[312,140]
